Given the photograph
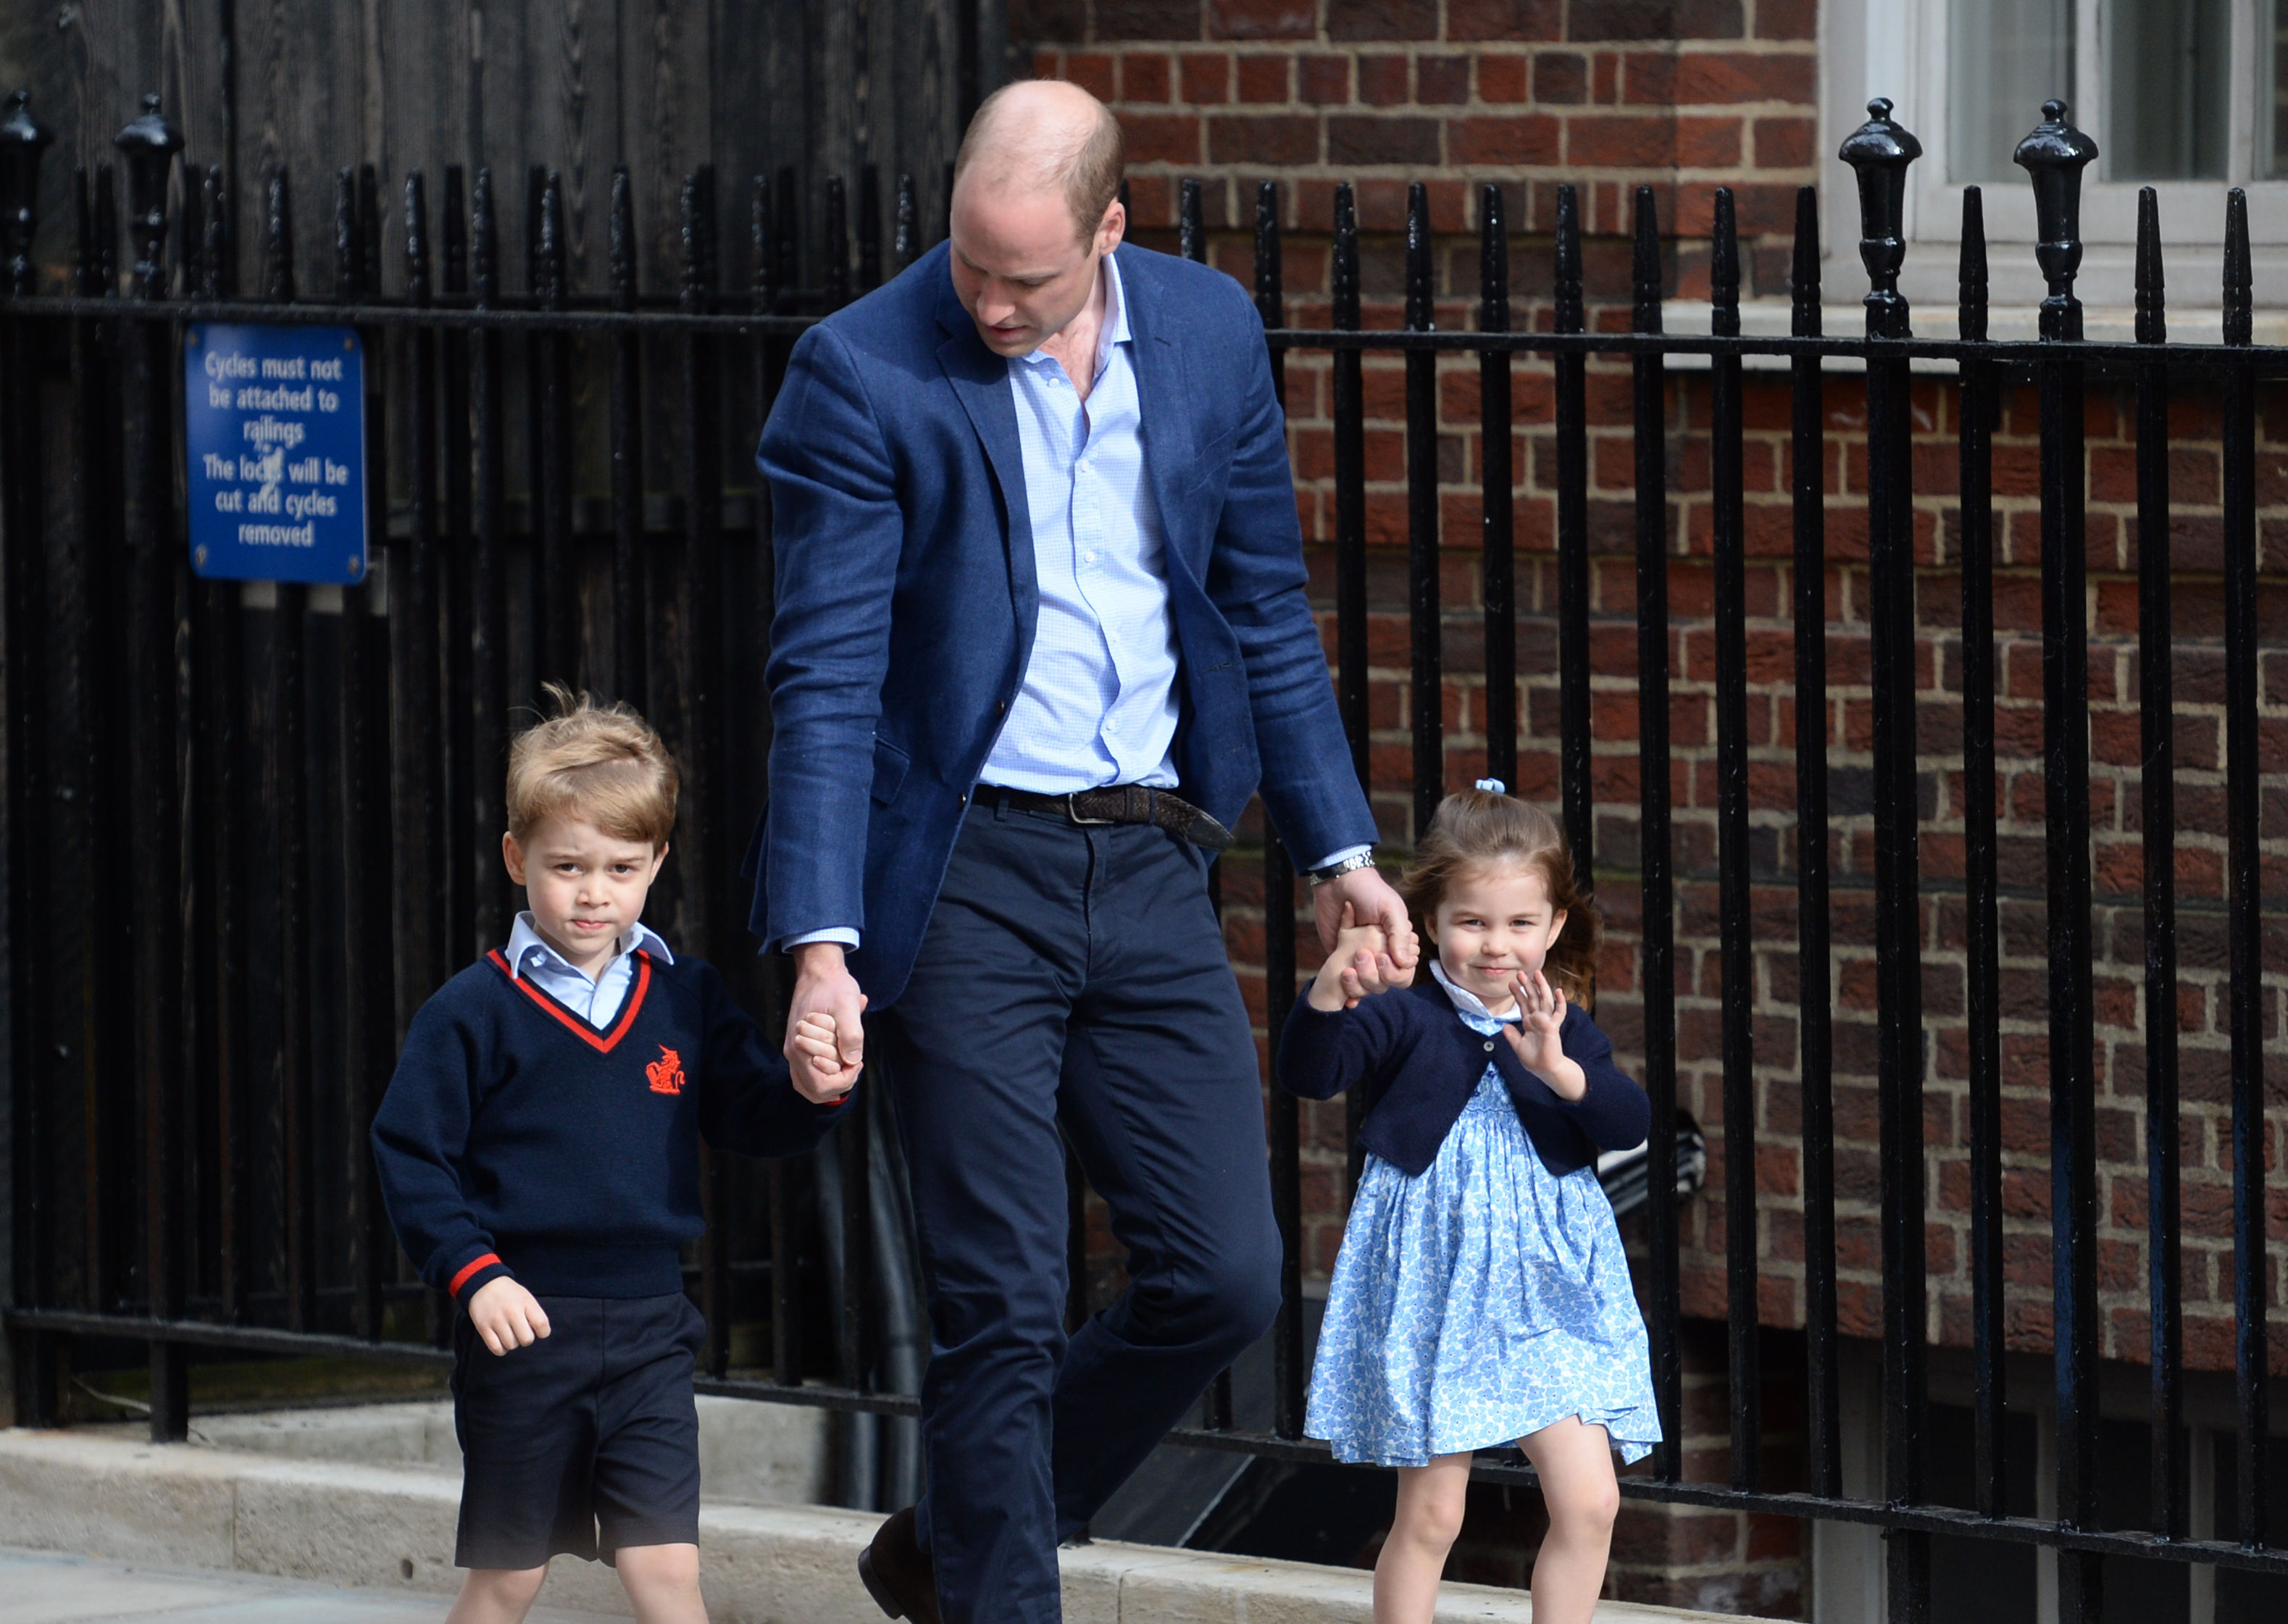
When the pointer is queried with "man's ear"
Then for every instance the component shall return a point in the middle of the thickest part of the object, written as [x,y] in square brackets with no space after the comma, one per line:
[513,856]
[1113,228]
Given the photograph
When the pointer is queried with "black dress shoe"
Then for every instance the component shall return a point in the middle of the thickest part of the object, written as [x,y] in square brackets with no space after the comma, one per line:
[898,1572]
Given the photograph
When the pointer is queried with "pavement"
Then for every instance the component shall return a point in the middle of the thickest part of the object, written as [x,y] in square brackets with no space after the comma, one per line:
[43,1587]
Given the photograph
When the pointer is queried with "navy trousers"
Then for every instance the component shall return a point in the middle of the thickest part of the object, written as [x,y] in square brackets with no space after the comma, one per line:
[1076,976]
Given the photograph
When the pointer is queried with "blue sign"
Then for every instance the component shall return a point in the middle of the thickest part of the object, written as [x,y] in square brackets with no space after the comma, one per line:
[274,443]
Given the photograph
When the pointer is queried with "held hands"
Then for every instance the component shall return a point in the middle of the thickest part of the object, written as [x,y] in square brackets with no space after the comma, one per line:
[506,1315]
[1363,897]
[821,1075]
[825,1038]
[1359,965]
[1541,1014]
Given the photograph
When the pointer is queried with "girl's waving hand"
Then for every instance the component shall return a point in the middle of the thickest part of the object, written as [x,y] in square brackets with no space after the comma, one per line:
[1535,1035]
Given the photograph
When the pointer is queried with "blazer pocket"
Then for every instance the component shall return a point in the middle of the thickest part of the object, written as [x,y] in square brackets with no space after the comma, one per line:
[890,765]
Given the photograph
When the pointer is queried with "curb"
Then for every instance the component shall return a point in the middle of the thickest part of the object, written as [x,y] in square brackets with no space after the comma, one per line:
[390,1527]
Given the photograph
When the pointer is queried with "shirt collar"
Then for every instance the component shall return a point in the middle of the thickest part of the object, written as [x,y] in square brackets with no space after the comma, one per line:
[1115,330]
[1467,1001]
[526,940]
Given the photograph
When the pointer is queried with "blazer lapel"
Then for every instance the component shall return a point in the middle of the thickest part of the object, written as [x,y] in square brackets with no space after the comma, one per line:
[981,383]
[1163,404]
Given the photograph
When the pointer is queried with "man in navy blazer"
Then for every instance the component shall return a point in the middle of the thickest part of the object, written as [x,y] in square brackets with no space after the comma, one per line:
[1041,632]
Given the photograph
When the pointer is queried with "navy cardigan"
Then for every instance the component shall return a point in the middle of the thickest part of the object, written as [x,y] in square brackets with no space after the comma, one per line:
[1420,1065]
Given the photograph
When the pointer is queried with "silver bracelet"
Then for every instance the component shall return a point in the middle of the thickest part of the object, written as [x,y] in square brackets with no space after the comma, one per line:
[1349,865]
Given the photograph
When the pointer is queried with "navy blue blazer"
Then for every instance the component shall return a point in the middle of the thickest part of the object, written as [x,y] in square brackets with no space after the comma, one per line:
[1420,1065]
[907,598]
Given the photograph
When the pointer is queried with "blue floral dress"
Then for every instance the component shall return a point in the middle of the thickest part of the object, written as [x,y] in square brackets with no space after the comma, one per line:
[1479,1301]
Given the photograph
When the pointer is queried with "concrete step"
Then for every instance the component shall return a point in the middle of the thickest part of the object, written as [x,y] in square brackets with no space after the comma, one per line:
[43,1588]
[388,1530]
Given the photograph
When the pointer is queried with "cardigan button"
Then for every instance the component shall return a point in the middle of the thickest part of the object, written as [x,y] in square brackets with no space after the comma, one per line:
[1489,1048]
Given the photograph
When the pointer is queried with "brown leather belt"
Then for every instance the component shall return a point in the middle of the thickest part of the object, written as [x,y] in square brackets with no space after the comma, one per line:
[1118,803]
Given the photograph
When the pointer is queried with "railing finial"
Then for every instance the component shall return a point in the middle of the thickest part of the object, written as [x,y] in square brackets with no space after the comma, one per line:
[2054,154]
[150,145]
[1803,272]
[1569,313]
[1644,270]
[2239,316]
[1419,287]
[2152,319]
[1270,270]
[1724,270]
[1971,276]
[24,140]
[1879,151]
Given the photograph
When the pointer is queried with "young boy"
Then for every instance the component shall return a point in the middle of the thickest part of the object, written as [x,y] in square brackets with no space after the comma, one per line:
[539,1155]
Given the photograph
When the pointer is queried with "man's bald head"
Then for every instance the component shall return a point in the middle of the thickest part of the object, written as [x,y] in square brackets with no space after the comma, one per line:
[1045,135]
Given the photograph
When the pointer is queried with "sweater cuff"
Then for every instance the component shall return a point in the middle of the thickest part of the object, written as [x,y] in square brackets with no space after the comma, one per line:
[479,1271]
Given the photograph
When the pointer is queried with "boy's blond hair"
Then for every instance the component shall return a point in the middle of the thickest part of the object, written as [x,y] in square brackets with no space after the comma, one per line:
[603,764]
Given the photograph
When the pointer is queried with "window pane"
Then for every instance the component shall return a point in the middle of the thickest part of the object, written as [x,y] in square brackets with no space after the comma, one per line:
[2166,94]
[2009,56]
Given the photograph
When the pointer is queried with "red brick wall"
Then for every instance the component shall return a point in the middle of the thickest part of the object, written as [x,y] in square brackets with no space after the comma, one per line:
[1681,94]
[1684,97]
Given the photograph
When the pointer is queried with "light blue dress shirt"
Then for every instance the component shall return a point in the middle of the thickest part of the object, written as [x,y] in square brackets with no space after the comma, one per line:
[1098,704]
[595,1001]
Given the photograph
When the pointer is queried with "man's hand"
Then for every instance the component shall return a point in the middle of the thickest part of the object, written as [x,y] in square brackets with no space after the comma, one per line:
[1372,902]
[820,1077]
[1341,981]
[506,1315]
[824,987]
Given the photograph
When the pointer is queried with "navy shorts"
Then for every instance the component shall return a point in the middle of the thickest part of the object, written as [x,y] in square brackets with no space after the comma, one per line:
[584,1442]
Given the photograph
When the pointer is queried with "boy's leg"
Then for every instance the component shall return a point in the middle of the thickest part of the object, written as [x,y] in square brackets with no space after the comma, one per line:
[647,1478]
[525,1421]
[497,1596]
[663,1582]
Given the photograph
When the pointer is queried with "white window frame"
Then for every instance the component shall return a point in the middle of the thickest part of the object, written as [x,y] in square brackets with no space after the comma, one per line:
[1898,49]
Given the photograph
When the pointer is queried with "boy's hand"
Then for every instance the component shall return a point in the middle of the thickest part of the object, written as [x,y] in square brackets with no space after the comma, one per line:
[506,1315]
[1358,966]
[823,986]
[1541,1015]
[821,1074]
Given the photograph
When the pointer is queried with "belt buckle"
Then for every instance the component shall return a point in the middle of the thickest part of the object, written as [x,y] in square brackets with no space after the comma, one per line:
[1072,811]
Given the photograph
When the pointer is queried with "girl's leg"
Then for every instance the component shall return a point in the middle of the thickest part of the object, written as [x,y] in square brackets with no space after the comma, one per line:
[497,1596]
[1576,1463]
[662,1580]
[1429,1516]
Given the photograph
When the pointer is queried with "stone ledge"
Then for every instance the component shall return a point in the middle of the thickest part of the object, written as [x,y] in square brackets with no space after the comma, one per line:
[390,1527]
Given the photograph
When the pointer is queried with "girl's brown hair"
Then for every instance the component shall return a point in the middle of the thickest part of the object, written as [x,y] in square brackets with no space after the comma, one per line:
[1478,829]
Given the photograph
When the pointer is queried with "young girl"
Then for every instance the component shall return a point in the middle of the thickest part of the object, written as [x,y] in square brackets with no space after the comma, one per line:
[1481,1297]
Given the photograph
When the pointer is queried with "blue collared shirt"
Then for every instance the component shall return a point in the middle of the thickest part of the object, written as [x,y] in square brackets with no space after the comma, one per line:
[1098,703]
[595,1002]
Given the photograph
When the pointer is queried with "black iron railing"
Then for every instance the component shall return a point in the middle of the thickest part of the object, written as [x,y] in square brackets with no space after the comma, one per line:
[307,792]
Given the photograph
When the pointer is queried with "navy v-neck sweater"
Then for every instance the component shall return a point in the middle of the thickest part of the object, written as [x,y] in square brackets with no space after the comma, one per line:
[517,1139]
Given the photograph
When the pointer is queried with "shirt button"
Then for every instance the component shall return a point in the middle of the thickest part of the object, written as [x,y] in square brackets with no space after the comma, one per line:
[1090,556]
